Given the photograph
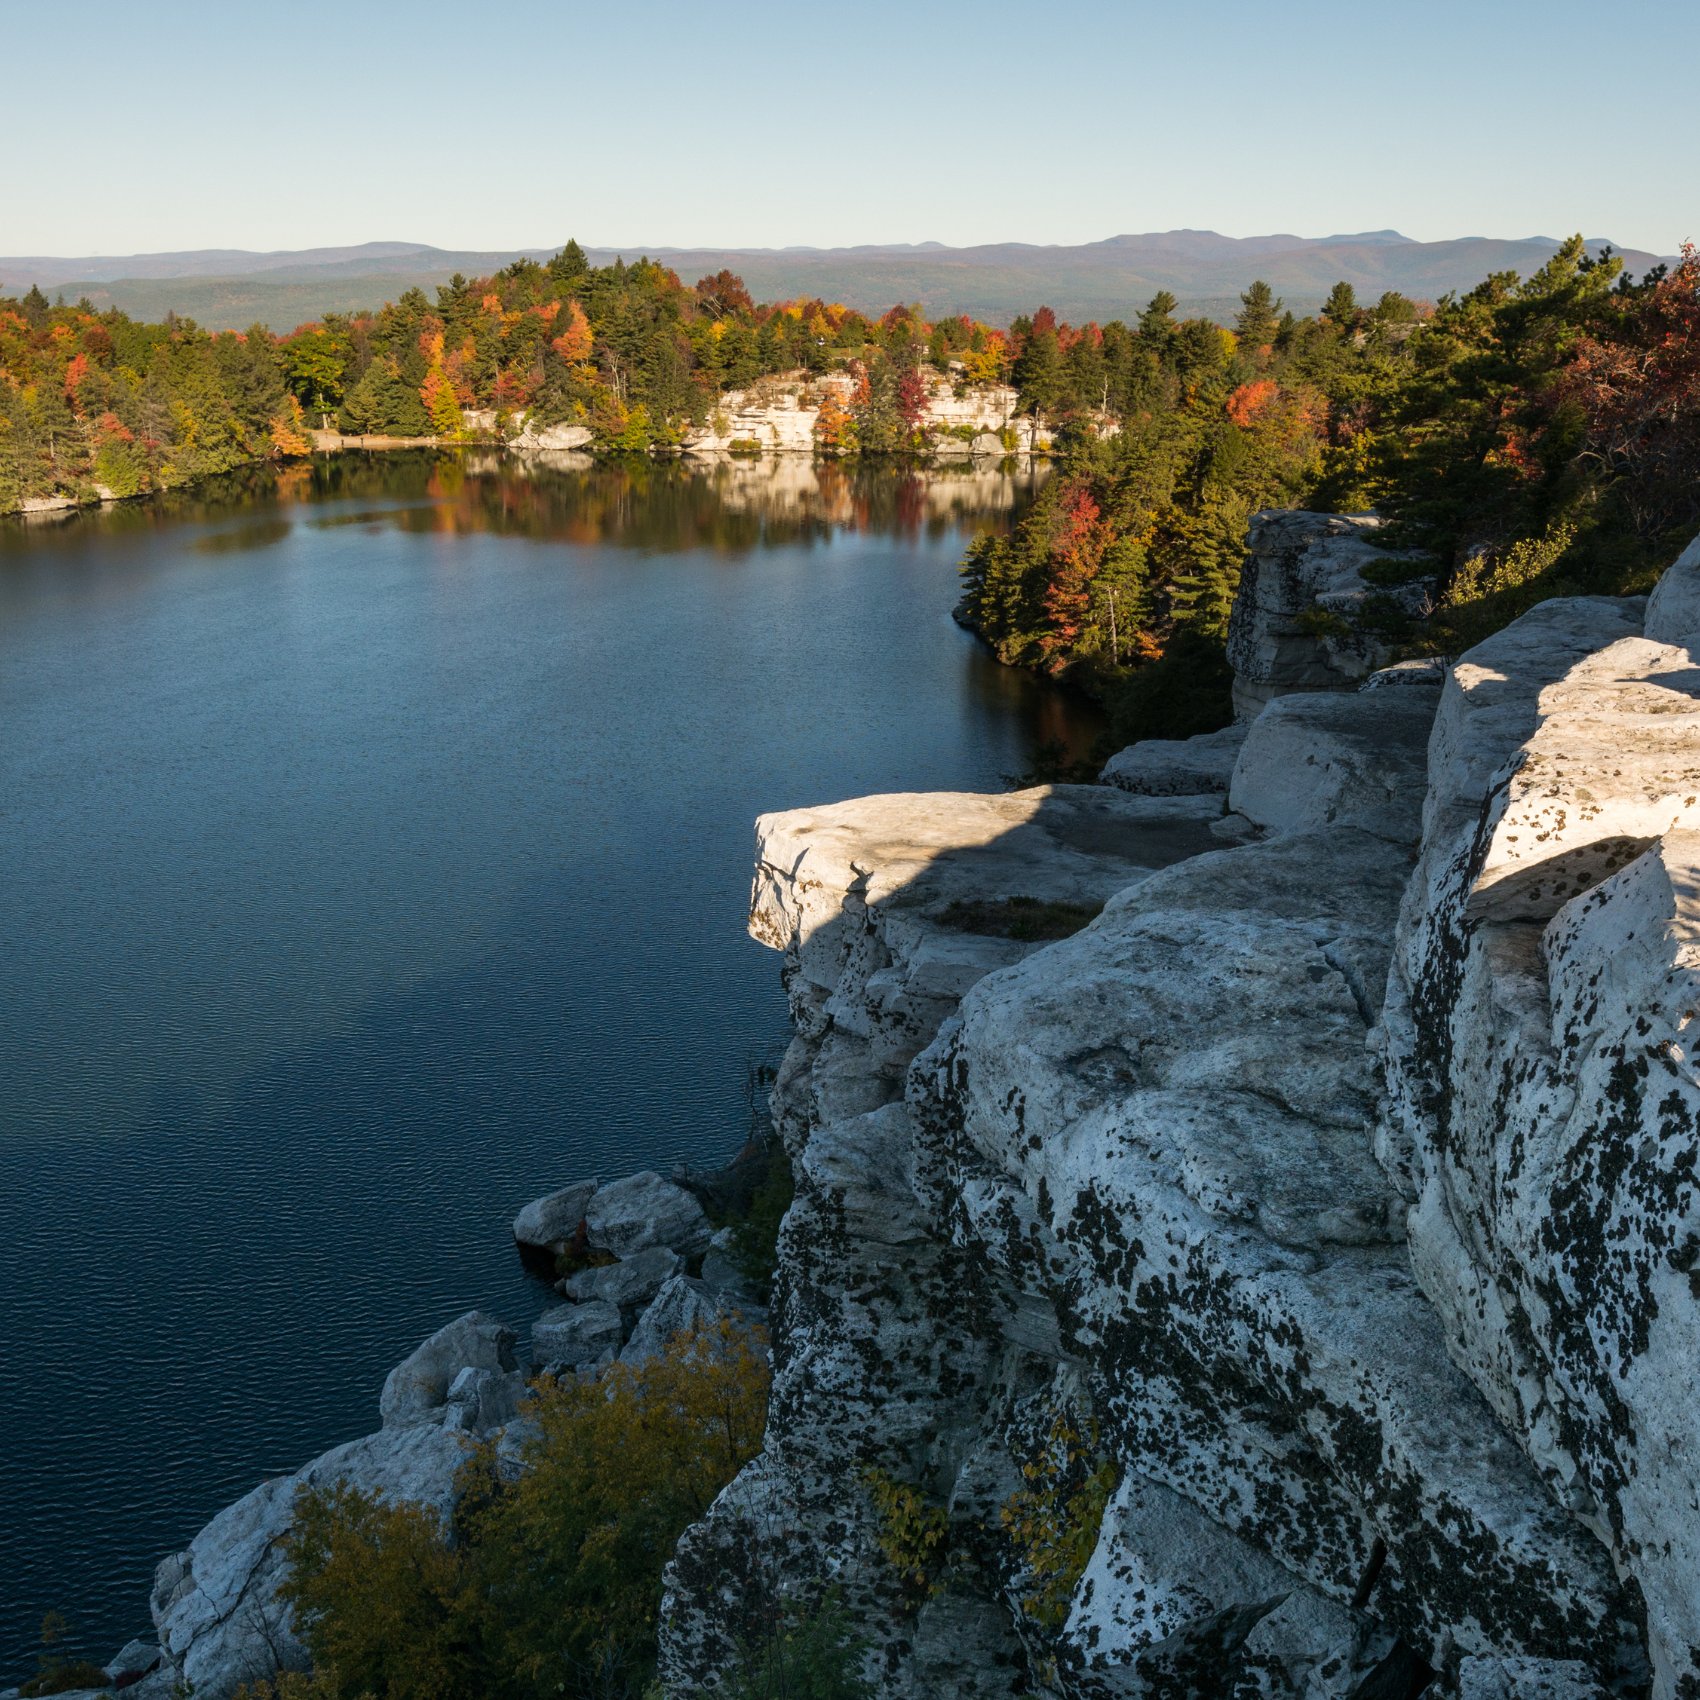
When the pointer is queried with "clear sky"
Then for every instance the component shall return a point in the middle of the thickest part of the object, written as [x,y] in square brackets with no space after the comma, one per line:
[189,124]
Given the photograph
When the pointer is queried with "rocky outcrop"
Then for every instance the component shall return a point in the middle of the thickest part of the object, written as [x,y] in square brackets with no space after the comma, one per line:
[1330,1193]
[1544,1114]
[214,1603]
[1291,628]
[779,414]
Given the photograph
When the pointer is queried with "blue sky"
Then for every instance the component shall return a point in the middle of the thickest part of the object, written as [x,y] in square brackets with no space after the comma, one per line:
[191,125]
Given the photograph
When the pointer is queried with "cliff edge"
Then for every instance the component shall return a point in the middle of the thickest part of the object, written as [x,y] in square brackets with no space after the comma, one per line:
[1306,1245]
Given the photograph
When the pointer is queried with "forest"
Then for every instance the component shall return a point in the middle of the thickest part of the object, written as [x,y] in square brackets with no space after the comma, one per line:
[93,403]
[1531,437]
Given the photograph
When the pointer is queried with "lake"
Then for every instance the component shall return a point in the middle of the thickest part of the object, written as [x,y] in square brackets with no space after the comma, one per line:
[376,851]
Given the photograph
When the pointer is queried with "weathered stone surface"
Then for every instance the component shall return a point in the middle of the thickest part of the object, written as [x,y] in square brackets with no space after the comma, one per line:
[1528,1679]
[552,1221]
[1161,1566]
[722,1276]
[1132,1184]
[680,1305]
[645,1211]
[1313,761]
[483,1399]
[573,1335]
[1177,767]
[629,1284]
[1298,562]
[778,414]
[1673,610]
[416,1390]
[546,437]
[1543,1110]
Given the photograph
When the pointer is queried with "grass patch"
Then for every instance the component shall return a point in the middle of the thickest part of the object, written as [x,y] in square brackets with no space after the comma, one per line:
[1029,919]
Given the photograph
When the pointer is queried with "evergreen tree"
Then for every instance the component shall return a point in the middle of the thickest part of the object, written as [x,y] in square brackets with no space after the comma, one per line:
[1156,323]
[1341,308]
[1255,324]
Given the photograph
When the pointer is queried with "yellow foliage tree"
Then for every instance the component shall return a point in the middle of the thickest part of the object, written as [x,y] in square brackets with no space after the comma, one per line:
[552,1581]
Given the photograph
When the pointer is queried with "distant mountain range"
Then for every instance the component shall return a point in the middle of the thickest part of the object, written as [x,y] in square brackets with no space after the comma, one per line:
[223,287]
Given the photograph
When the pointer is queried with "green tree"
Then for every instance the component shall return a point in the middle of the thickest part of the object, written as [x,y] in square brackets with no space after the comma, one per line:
[1341,308]
[1259,316]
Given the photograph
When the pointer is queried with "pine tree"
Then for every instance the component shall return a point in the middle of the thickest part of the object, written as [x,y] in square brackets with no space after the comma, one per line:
[1156,323]
[1259,315]
[1341,308]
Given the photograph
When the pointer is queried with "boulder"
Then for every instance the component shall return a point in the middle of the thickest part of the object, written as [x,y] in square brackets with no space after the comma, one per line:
[213,1604]
[645,1211]
[135,1658]
[681,1304]
[416,1390]
[483,1399]
[630,1284]
[1673,610]
[722,1276]
[1177,767]
[573,1335]
[552,1221]
[1319,760]
[1302,564]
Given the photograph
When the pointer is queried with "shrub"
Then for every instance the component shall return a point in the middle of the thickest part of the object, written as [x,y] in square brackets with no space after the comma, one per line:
[1053,1521]
[1187,690]
[63,1678]
[755,1240]
[549,1582]
[810,1654]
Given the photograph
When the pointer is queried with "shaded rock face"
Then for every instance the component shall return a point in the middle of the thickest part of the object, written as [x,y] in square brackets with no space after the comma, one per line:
[1153,1182]
[1544,1112]
[1298,564]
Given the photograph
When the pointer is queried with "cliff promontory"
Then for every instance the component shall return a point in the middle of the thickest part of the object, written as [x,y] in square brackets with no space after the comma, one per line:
[1310,1238]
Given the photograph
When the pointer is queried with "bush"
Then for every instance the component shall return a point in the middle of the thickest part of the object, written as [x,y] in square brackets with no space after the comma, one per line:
[808,1655]
[62,1679]
[755,1240]
[549,1583]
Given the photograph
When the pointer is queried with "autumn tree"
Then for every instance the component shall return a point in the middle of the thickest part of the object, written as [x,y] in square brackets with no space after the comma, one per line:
[549,1581]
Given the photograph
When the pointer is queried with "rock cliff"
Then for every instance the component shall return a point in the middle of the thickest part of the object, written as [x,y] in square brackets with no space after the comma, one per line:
[1245,1211]
[1310,1237]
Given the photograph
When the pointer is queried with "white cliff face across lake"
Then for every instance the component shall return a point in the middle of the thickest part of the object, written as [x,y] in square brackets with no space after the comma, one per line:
[375,858]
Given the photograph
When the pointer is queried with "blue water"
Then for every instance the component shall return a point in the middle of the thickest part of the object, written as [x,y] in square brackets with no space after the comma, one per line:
[374,856]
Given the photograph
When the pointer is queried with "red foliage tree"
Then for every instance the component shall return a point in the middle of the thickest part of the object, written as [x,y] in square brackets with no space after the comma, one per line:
[1640,394]
[1077,552]
[723,294]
